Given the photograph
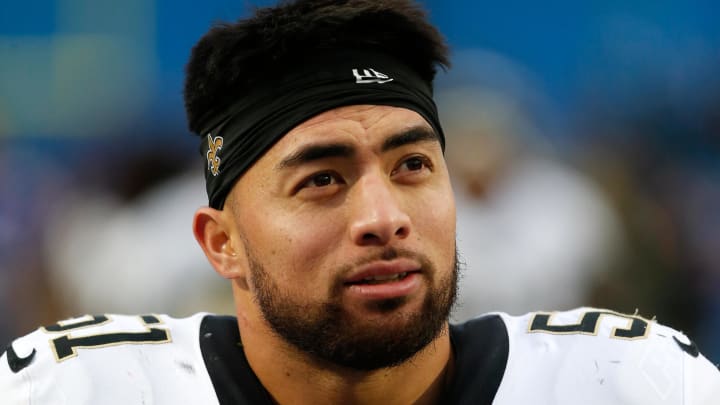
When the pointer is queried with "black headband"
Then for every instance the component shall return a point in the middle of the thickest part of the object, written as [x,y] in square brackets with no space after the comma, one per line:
[235,139]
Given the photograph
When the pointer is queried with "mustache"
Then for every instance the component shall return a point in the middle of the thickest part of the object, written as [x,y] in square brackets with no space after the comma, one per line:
[386,254]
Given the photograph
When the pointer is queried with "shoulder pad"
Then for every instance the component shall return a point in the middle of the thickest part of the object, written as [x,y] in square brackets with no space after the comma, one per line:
[108,359]
[602,357]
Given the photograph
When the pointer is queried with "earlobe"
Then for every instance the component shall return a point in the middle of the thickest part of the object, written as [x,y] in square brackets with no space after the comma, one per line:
[214,236]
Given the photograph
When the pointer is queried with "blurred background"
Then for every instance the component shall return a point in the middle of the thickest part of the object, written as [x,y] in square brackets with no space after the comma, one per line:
[584,148]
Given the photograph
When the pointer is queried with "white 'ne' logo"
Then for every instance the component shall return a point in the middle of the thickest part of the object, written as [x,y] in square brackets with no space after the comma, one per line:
[370,76]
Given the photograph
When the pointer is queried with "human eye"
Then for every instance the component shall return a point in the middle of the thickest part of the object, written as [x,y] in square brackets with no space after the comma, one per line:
[320,180]
[413,165]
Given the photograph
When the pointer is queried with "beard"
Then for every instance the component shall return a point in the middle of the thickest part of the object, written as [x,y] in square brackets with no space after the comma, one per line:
[327,331]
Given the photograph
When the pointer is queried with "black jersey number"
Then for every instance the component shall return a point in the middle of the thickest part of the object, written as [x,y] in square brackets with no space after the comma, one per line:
[588,325]
[65,346]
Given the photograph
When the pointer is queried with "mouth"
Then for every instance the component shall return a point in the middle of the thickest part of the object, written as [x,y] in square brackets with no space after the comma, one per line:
[382,279]
[385,280]
[380,272]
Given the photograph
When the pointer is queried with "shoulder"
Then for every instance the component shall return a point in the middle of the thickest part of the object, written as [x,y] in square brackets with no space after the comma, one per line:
[604,356]
[95,359]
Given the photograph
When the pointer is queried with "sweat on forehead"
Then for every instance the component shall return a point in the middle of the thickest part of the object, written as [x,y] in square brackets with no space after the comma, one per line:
[237,137]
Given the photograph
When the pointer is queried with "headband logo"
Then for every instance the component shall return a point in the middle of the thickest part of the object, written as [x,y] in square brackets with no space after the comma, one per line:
[214,146]
[370,76]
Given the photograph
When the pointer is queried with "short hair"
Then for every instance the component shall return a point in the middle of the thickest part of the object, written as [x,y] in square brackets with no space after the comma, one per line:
[231,58]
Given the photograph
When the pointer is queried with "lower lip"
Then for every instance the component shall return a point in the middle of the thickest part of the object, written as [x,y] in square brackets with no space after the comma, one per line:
[386,290]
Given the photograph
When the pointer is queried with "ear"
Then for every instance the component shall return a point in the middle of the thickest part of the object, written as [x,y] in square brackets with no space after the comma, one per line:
[214,234]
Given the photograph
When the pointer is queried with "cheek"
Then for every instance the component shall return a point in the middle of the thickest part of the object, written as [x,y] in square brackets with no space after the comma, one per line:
[434,207]
[291,246]
[435,222]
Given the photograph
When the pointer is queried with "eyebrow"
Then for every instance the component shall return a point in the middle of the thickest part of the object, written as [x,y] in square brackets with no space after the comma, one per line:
[412,135]
[312,153]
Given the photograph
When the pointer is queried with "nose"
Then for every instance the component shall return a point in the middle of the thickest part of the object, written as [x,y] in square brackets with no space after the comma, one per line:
[378,217]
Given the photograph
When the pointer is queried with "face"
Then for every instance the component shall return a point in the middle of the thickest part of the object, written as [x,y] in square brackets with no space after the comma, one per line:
[348,227]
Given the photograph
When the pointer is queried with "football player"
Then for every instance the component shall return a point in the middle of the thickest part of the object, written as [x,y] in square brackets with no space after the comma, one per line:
[332,216]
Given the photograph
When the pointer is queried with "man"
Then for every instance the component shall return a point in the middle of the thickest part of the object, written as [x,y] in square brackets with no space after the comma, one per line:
[332,215]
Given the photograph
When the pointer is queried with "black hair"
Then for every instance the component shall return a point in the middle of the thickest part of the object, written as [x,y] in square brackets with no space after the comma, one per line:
[231,58]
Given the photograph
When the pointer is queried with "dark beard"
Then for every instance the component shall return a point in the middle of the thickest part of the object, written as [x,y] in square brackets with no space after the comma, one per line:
[328,332]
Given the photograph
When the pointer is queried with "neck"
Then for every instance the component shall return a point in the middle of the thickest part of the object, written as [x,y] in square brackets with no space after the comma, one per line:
[293,377]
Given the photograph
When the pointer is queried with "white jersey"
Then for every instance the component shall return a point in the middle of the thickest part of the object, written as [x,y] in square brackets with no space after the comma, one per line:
[597,357]
[109,359]
[585,356]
